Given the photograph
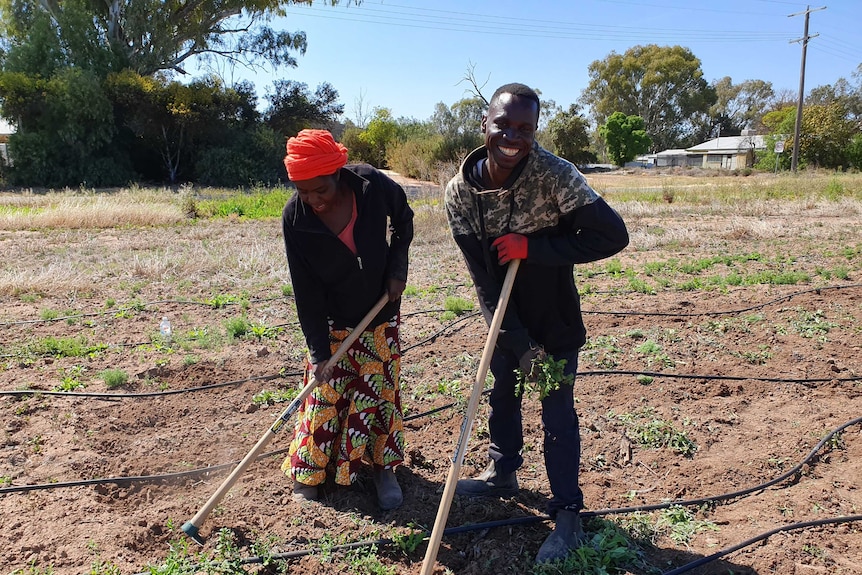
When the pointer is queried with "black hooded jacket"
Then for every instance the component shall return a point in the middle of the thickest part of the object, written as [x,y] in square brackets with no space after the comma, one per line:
[565,221]
[330,282]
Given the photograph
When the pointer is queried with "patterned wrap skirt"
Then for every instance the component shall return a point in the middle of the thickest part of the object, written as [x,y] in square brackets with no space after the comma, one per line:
[355,416]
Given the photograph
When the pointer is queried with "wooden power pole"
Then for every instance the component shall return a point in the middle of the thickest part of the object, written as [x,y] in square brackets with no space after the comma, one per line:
[797,127]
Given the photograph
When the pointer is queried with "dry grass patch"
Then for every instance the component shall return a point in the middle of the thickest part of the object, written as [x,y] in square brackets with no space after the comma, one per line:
[77,210]
[194,257]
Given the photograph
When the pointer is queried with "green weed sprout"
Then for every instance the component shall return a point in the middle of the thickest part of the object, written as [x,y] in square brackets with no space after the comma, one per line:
[457,305]
[606,551]
[409,542]
[114,378]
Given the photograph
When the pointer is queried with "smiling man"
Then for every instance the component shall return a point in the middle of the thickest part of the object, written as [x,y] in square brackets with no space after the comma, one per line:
[512,199]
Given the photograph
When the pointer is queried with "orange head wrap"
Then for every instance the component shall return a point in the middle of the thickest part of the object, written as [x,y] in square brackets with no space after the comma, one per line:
[313,153]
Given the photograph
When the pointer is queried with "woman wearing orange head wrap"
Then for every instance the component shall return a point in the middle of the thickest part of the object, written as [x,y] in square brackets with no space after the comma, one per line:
[342,259]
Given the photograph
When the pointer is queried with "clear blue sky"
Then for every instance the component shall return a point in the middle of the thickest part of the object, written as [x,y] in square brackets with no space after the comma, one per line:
[407,55]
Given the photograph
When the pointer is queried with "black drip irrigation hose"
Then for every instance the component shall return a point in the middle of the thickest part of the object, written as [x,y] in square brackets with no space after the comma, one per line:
[761,537]
[726,312]
[117,396]
[587,311]
[717,377]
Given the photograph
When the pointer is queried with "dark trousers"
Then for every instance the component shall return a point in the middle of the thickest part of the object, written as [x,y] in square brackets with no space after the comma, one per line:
[562,444]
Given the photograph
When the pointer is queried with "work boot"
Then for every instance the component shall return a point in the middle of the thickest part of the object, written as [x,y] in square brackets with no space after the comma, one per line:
[389,495]
[489,484]
[303,492]
[567,536]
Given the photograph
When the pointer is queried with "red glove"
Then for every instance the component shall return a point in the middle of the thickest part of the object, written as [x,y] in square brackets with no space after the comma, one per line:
[510,247]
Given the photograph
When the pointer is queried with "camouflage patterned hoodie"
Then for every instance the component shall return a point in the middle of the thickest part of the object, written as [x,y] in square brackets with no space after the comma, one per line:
[566,223]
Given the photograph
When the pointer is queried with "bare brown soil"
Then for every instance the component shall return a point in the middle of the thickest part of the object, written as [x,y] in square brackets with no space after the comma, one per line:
[756,375]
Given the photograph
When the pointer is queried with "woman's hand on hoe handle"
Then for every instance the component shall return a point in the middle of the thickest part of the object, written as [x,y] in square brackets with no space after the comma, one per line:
[394,288]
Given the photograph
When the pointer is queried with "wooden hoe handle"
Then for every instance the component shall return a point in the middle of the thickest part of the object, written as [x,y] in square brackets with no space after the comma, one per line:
[466,426]
[191,527]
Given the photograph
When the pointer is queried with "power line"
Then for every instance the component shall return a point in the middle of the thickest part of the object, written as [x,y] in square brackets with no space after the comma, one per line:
[479,24]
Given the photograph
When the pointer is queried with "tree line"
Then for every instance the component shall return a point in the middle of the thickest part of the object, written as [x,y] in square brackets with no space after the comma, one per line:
[93,90]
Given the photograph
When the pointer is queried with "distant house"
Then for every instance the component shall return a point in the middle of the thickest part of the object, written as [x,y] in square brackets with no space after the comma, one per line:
[6,130]
[677,157]
[725,152]
[728,152]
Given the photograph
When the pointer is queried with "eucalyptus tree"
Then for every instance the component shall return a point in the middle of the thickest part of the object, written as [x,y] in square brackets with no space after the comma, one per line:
[664,85]
[152,35]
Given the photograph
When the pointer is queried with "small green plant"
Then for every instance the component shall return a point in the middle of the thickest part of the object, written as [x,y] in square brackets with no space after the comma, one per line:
[608,550]
[324,549]
[639,526]
[226,558]
[756,357]
[815,551]
[287,290]
[203,337]
[33,570]
[219,301]
[649,347]
[178,562]
[614,267]
[549,376]
[101,567]
[409,542]
[450,388]
[364,561]
[237,327]
[812,324]
[114,378]
[262,331]
[457,305]
[36,442]
[48,314]
[640,286]
[680,525]
[654,354]
[263,548]
[644,428]
[270,397]
[70,379]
